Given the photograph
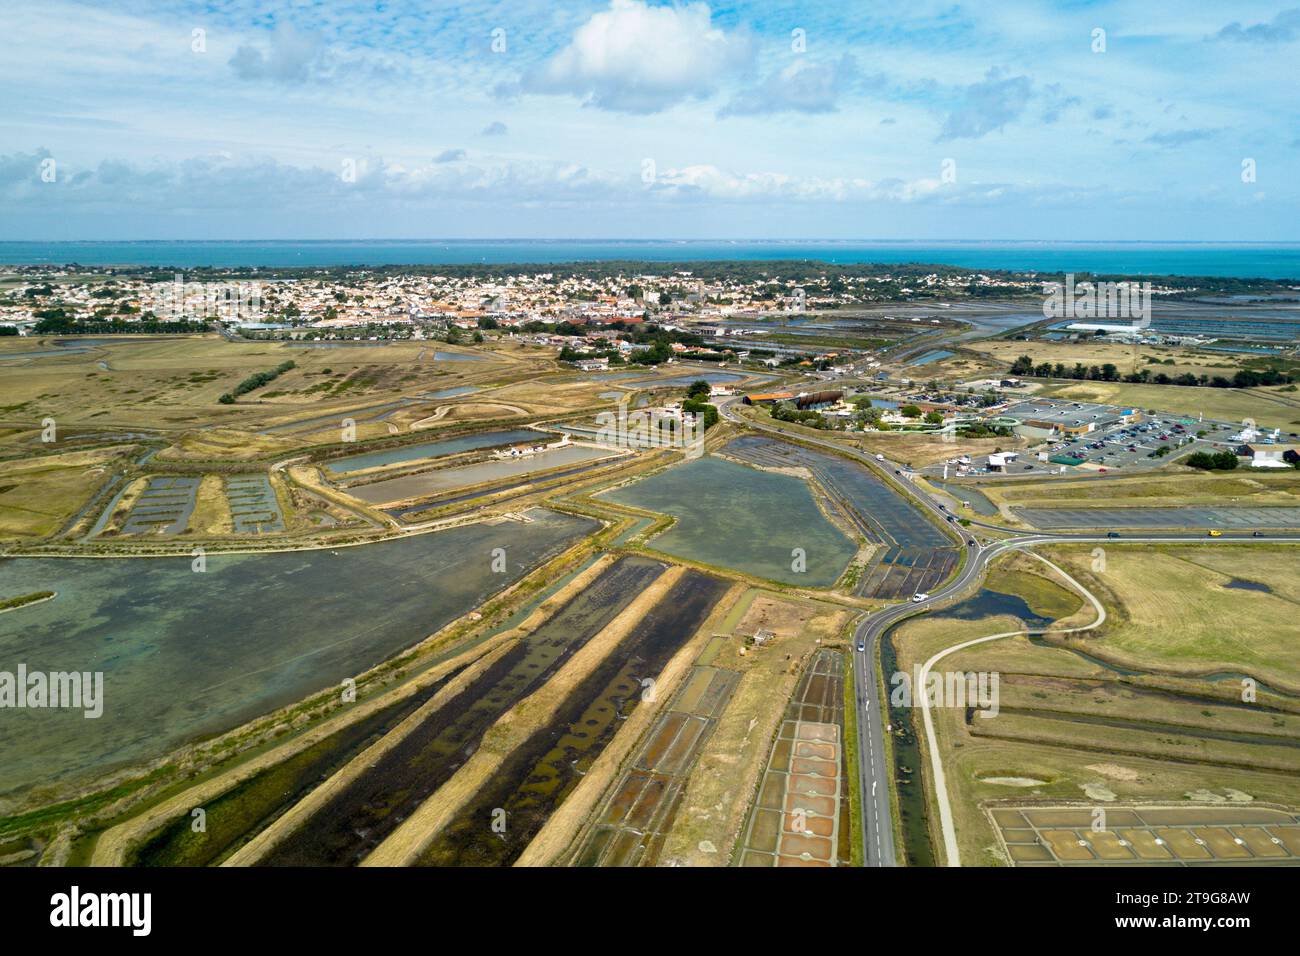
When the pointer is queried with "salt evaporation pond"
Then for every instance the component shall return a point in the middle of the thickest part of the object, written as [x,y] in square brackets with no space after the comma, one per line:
[733,516]
[188,654]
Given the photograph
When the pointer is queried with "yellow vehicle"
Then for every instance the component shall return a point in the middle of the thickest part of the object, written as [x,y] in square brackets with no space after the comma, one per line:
[1215,534]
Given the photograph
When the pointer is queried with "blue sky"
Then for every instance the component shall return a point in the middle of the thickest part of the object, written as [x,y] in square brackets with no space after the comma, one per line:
[624,118]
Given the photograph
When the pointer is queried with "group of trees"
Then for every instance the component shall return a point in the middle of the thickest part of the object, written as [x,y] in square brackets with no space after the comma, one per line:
[57,322]
[638,333]
[783,412]
[658,352]
[657,341]
[1213,461]
[700,407]
[1101,373]
[256,380]
[983,430]
[696,402]
[868,415]
[1243,378]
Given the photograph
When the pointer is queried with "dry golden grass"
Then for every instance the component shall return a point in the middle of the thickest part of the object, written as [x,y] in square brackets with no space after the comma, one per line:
[1121,356]
[1224,404]
[39,495]
[1182,487]
[211,514]
[172,382]
[224,444]
[920,449]
[1176,615]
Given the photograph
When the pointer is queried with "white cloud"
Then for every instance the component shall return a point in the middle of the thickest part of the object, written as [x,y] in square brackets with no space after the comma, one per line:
[292,58]
[801,87]
[710,182]
[988,105]
[222,181]
[635,58]
[1283,28]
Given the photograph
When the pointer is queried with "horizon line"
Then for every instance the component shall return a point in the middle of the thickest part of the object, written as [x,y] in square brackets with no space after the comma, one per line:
[675,241]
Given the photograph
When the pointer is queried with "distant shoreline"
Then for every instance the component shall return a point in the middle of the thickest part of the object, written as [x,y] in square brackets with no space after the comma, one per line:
[1278,261]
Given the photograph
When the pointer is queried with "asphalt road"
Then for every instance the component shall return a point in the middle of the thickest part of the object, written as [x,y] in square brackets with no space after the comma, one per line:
[874,770]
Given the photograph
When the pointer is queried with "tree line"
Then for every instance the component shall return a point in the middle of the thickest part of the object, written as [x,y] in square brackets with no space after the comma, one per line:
[256,380]
[1108,372]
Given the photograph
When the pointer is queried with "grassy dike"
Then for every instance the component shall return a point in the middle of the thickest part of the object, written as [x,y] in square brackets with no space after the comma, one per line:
[23,600]
[852,761]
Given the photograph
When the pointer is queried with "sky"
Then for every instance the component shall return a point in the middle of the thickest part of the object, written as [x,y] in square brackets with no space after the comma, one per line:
[1014,120]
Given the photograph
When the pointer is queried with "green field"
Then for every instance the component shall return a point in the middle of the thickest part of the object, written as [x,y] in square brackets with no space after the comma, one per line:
[1147,708]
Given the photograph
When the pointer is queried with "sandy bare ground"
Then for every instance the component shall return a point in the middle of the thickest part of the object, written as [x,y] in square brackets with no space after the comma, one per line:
[113,844]
[567,822]
[404,846]
[291,820]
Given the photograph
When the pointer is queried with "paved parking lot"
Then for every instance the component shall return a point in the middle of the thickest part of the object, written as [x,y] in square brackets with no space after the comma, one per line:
[1113,446]
[1121,447]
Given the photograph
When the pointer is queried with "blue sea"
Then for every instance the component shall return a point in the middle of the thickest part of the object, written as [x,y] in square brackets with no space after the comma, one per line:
[1234,260]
